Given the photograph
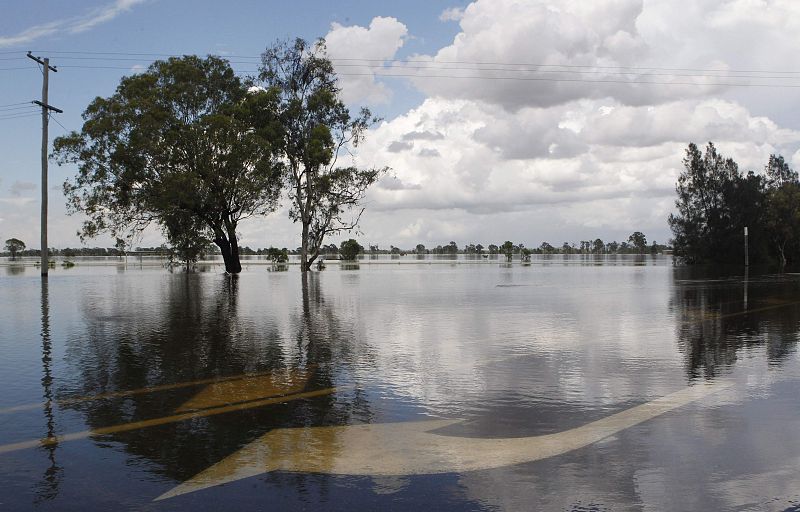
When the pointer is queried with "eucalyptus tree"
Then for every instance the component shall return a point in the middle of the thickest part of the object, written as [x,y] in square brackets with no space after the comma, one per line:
[639,241]
[13,246]
[184,145]
[350,249]
[508,249]
[319,132]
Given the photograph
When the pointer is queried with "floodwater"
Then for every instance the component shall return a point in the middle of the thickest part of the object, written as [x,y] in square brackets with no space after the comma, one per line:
[568,384]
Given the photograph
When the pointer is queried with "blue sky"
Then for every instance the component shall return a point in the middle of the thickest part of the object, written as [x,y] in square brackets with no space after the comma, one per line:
[474,158]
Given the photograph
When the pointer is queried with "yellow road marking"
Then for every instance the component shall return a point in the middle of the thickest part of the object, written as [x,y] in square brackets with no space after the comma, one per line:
[410,448]
[124,427]
[746,312]
[129,392]
[245,390]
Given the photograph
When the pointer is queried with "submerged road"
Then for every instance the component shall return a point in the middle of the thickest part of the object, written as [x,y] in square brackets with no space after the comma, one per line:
[410,448]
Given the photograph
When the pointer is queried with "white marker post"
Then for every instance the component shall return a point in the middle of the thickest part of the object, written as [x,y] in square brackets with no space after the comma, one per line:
[746,252]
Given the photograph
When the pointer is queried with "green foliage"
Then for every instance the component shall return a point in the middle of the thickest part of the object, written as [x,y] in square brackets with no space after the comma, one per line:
[783,208]
[14,245]
[638,241]
[350,249]
[716,202]
[183,145]
[508,249]
[318,131]
[187,237]
[277,256]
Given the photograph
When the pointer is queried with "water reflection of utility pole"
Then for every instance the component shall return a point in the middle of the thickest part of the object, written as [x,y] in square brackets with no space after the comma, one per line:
[48,489]
[746,278]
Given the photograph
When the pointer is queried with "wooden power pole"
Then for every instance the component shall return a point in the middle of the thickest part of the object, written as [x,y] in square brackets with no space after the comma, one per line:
[46,108]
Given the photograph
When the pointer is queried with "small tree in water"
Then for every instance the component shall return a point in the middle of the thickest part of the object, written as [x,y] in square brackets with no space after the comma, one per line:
[508,249]
[14,245]
[350,249]
[318,131]
[183,140]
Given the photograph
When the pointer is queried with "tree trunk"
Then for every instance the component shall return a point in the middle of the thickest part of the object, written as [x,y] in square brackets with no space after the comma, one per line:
[305,266]
[782,256]
[230,254]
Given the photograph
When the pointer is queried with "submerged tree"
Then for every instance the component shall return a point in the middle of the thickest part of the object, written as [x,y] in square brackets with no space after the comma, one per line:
[350,249]
[183,145]
[508,249]
[319,130]
[187,238]
[14,245]
[638,240]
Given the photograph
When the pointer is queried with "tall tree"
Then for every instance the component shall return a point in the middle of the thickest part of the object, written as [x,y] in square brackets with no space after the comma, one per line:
[14,245]
[508,249]
[319,131]
[184,145]
[639,241]
[715,202]
[783,207]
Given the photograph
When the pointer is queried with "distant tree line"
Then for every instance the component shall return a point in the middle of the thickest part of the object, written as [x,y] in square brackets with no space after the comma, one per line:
[636,244]
[350,249]
[717,201]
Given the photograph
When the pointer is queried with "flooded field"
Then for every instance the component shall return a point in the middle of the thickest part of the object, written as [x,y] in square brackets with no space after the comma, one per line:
[576,384]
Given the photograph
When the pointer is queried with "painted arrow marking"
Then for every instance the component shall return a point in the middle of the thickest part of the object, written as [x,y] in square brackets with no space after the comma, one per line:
[247,389]
[411,448]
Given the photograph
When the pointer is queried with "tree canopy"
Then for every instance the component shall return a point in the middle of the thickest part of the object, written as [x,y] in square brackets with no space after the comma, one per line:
[350,249]
[184,145]
[14,245]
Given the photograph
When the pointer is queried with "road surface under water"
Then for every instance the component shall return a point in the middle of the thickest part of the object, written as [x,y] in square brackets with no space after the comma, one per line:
[568,384]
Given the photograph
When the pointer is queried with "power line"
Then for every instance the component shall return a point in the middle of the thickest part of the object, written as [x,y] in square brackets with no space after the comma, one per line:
[427,61]
[21,107]
[571,69]
[579,69]
[13,104]
[35,114]
[523,78]
[544,79]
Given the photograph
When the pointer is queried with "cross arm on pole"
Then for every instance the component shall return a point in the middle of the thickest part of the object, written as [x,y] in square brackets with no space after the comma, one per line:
[40,61]
[48,107]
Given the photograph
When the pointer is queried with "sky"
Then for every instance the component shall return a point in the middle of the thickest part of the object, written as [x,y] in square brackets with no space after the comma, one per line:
[522,120]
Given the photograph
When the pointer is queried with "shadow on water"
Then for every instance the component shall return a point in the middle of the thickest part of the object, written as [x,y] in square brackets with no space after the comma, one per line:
[199,333]
[719,314]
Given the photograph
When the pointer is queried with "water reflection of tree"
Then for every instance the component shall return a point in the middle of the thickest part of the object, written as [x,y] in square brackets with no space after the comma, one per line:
[48,488]
[718,316]
[200,333]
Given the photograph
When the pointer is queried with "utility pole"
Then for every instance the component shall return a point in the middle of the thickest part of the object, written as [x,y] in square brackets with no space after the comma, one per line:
[46,108]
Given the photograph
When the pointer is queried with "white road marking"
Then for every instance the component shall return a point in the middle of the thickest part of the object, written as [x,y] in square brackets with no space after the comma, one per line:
[411,448]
